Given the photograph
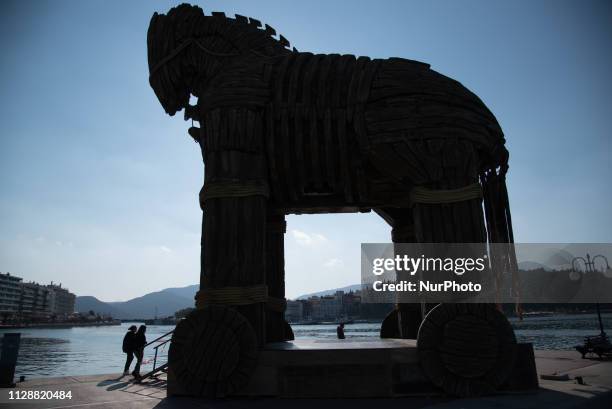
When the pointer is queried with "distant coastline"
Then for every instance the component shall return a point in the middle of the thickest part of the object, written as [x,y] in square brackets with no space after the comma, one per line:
[60,324]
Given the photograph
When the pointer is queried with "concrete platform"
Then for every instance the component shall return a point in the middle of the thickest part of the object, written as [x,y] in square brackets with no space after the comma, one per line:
[349,368]
[114,391]
[340,344]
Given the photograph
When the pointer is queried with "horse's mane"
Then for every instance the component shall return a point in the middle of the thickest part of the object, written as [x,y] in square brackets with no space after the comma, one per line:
[241,34]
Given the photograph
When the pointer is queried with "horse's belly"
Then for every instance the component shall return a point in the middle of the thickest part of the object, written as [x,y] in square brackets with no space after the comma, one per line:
[314,159]
[312,151]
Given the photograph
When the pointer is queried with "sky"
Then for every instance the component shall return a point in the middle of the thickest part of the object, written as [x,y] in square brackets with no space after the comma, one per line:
[99,188]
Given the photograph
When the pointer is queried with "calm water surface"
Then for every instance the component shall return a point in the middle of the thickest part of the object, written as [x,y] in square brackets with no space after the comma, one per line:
[96,350]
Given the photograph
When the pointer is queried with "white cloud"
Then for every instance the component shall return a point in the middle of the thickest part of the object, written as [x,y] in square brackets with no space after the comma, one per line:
[334,263]
[165,249]
[305,239]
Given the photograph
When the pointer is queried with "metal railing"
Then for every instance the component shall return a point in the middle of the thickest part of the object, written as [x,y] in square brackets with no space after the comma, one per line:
[156,348]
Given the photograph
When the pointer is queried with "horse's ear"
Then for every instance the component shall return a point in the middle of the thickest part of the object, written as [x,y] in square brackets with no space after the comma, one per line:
[156,20]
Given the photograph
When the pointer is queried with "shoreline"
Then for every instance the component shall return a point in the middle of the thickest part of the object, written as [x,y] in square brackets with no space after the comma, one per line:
[529,314]
[51,325]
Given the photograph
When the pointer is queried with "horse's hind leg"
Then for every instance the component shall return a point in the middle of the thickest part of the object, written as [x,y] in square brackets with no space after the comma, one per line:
[448,208]
[437,215]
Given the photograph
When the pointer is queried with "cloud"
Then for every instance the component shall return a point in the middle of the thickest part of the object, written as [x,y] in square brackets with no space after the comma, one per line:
[333,263]
[165,249]
[305,239]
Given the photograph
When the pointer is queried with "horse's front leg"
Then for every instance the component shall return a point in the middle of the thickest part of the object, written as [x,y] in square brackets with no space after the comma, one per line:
[214,350]
[235,204]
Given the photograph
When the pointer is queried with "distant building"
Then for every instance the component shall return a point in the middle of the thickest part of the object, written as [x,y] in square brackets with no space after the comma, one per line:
[328,307]
[340,306]
[33,301]
[294,311]
[19,300]
[331,308]
[10,292]
[61,301]
[350,305]
[313,312]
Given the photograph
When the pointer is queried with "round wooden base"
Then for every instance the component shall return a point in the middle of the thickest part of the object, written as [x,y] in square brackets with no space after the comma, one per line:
[466,349]
[213,352]
[390,325]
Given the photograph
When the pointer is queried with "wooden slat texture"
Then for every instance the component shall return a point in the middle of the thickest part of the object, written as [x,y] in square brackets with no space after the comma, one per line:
[467,349]
[276,326]
[325,133]
[213,352]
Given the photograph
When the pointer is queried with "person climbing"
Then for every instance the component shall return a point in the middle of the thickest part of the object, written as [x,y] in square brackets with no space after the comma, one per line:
[340,331]
[139,343]
[128,348]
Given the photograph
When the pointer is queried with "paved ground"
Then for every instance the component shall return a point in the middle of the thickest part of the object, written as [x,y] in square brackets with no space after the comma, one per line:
[114,391]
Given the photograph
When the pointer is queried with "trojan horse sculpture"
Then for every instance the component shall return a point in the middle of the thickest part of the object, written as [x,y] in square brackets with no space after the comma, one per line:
[287,132]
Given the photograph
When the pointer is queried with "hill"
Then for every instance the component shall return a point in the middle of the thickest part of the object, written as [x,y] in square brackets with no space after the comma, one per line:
[88,303]
[166,301]
[185,292]
[160,303]
[163,303]
[346,289]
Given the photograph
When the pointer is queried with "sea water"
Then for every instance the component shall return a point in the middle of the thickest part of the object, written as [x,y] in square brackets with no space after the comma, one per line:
[97,350]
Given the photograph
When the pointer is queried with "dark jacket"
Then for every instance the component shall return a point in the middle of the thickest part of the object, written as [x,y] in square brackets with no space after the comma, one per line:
[340,332]
[139,341]
[128,342]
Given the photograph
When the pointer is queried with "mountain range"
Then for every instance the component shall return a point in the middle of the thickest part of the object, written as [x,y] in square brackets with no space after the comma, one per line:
[167,301]
[162,303]
[159,303]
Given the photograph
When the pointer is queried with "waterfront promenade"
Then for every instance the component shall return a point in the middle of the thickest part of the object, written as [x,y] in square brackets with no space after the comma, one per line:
[114,391]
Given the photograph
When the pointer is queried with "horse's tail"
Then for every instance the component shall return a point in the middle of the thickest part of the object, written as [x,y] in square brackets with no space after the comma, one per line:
[499,227]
